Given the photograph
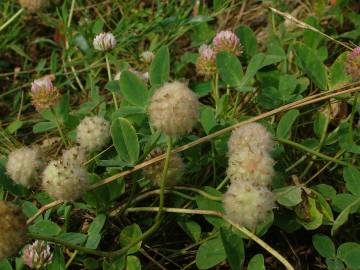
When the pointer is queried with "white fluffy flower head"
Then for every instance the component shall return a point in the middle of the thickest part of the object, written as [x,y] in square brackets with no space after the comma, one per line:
[104,41]
[174,109]
[23,165]
[75,154]
[247,205]
[65,181]
[254,167]
[93,133]
[253,136]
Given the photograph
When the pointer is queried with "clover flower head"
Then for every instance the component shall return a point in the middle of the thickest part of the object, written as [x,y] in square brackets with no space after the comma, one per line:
[352,64]
[12,229]
[37,255]
[247,205]
[93,133]
[65,180]
[173,109]
[104,41]
[43,94]
[205,63]
[23,165]
[147,57]
[227,41]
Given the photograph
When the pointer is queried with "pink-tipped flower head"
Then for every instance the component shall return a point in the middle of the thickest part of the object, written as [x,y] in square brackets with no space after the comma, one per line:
[43,94]
[352,64]
[227,41]
[37,255]
[205,64]
[104,41]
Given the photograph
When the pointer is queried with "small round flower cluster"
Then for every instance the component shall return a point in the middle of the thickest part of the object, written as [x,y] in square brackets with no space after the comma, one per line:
[12,229]
[147,57]
[66,178]
[93,133]
[32,5]
[173,109]
[223,41]
[23,165]
[248,199]
[43,94]
[104,42]
[154,171]
[352,64]
[37,255]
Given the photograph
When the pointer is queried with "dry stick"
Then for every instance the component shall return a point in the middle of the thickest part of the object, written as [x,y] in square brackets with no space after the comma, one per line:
[304,25]
[296,104]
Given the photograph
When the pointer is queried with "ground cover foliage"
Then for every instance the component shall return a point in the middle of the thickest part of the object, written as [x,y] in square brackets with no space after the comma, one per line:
[179,134]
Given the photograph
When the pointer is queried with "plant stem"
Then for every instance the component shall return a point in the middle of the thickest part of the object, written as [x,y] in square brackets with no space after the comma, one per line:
[110,79]
[163,178]
[58,126]
[261,243]
[313,152]
[11,19]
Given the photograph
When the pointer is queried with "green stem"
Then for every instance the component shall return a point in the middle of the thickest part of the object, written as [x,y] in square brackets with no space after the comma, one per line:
[11,19]
[313,152]
[110,79]
[163,178]
[58,126]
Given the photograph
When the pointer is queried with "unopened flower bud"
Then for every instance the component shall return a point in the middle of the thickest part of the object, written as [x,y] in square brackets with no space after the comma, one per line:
[37,255]
[12,229]
[174,109]
[205,64]
[227,41]
[43,94]
[147,57]
[154,171]
[352,64]
[104,41]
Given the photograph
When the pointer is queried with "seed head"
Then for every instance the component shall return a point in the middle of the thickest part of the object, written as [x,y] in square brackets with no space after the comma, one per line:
[154,171]
[43,94]
[205,64]
[65,181]
[227,41]
[93,133]
[37,255]
[23,165]
[33,5]
[174,109]
[104,41]
[352,65]
[12,229]
[247,205]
